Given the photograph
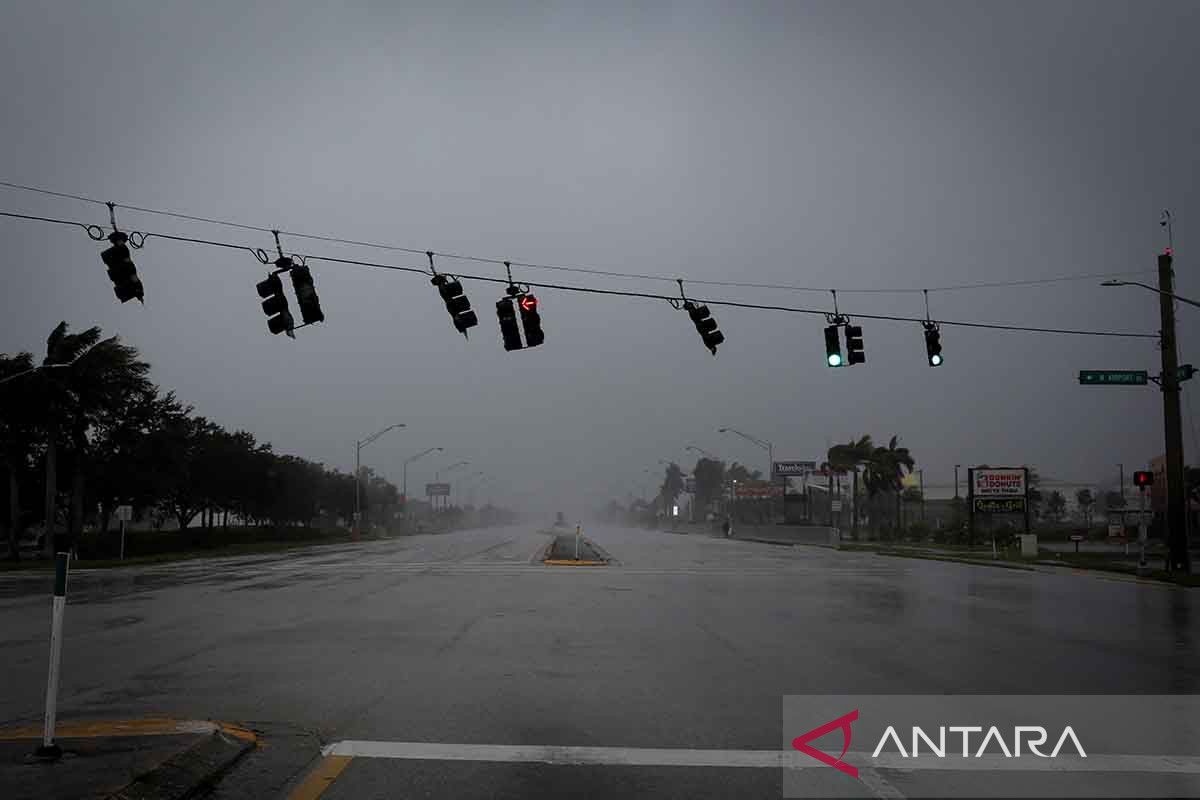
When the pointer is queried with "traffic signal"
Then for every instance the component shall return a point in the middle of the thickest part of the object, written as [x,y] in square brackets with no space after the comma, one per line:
[933,345]
[1143,478]
[833,347]
[509,331]
[531,320]
[706,326]
[121,271]
[306,295]
[854,345]
[456,303]
[275,305]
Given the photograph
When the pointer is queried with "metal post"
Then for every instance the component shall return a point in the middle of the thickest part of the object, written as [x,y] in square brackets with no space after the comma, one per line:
[357,506]
[122,540]
[577,534]
[921,476]
[1142,530]
[956,466]
[1178,558]
[48,749]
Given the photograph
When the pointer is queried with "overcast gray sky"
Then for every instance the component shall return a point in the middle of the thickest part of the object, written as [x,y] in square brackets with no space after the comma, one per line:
[851,145]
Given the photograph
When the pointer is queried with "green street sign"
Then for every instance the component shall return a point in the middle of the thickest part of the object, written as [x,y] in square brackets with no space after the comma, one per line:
[1113,377]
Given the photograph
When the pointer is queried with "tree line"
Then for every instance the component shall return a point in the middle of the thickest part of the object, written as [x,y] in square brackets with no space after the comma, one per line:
[85,430]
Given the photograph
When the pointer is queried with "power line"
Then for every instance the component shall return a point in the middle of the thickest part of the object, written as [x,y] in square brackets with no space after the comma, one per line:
[594,290]
[581,270]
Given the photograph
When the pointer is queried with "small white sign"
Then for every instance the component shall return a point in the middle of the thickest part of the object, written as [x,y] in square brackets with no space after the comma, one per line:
[124,513]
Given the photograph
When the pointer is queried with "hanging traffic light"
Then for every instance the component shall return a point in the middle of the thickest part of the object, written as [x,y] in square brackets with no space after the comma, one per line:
[306,295]
[833,347]
[509,331]
[531,320]
[933,344]
[854,345]
[706,326]
[456,303]
[275,305]
[121,271]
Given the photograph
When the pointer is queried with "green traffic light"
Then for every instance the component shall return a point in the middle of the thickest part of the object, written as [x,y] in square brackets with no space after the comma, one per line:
[835,359]
[935,360]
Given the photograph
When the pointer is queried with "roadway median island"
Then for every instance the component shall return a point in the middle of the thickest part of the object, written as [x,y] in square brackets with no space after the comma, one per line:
[564,551]
[122,759]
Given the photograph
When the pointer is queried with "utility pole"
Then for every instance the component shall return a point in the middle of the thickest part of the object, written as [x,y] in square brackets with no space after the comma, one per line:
[1178,558]
[1121,478]
[956,466]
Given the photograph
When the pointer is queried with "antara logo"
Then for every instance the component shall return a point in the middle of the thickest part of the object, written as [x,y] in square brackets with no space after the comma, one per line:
[1035,737]
[993,734]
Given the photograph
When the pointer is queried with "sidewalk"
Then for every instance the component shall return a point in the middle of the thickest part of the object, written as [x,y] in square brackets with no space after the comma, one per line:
[121,759]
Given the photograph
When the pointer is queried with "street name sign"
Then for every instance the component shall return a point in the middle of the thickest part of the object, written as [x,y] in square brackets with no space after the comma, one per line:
[1113,377]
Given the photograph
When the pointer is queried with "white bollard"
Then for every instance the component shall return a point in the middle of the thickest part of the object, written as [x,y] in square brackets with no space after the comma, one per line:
[48,750]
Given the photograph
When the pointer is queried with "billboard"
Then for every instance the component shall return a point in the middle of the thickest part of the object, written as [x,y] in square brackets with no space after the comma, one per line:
[998,482]
[792,468]
[437,490]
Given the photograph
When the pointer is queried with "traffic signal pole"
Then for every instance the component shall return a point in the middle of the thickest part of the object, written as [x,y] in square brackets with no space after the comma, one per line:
[1178,558]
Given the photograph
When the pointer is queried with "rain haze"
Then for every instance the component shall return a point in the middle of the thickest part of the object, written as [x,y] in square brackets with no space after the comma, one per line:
[850,146]
[569,600]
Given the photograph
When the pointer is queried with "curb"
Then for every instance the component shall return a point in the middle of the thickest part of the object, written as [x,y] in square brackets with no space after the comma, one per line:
[200,766]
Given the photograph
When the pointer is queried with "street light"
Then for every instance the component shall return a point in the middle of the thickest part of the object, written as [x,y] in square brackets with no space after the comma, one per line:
[1171,295]
[358,446]
[702,452]
[407,461]
[458,485]
[763,443]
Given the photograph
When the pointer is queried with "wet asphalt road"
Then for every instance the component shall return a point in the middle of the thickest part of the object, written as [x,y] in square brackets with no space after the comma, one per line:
[687,642]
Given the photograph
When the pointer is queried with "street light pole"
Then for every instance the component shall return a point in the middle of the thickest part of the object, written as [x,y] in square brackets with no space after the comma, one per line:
[404,482]
[1178,557]
[763,443]
[358,446]
[956,466]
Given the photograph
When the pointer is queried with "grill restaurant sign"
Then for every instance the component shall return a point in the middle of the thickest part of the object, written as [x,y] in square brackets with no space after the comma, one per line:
[1000,482]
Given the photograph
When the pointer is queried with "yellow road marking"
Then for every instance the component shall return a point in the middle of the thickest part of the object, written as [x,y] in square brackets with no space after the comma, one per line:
[320,779]
[90,729]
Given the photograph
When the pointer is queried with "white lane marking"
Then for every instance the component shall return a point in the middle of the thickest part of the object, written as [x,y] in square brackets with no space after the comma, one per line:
[754,759]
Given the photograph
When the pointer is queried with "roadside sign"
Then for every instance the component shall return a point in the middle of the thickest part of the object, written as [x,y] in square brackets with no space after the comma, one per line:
[1113,377]
[999,505]
[689,485]
[1116,529]
[836,505]
[1001,482]
[744,490]
[791,468]
[124,513]
[1076,537]
[437,490]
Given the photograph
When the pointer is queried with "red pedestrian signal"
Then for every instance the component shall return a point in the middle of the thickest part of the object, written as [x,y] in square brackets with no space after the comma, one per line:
[1143,478]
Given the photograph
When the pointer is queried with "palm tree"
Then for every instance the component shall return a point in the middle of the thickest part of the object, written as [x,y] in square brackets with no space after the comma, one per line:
[886,469]
[18,417]
[90,391]
[848,457]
